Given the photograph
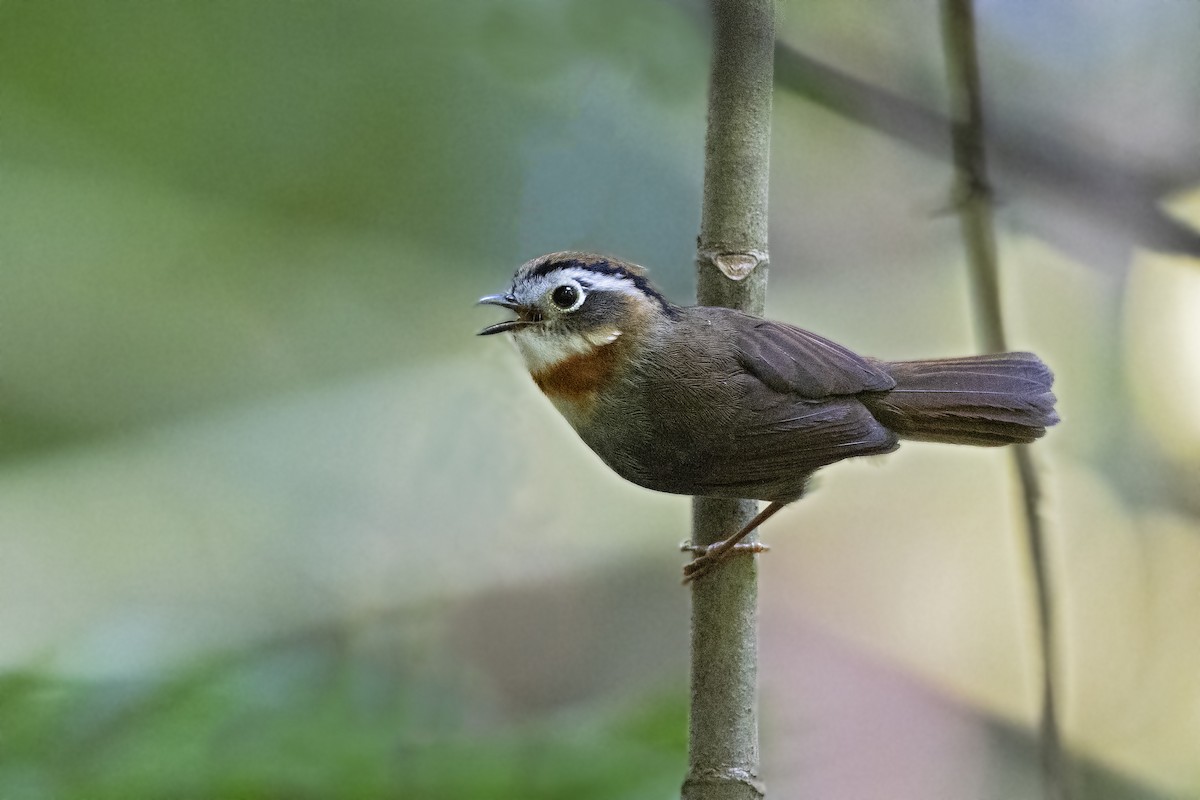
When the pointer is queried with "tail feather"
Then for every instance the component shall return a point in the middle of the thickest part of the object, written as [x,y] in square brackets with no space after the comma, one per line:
[986,400]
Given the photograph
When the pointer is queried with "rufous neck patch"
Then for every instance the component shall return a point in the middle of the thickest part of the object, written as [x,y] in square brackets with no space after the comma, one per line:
[578,377]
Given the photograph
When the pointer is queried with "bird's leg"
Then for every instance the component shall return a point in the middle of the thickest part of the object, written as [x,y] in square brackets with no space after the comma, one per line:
[718,551]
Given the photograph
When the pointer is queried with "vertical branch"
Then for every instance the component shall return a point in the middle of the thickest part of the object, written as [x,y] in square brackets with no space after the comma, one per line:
[973,197]
[732,271]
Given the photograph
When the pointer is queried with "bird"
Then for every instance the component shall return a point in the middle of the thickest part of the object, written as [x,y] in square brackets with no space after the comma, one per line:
[714,402]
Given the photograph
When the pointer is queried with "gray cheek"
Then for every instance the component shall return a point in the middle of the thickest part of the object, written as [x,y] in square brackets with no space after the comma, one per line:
[597,310]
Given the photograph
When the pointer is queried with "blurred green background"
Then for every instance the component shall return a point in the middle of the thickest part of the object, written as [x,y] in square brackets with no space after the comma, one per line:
[274,524]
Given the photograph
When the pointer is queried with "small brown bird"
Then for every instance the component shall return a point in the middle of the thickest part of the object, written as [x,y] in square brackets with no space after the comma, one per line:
[714,402]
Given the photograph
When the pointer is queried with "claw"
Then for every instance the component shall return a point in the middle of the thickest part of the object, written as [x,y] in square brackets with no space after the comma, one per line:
[717,552]
[710,556]
[686,546]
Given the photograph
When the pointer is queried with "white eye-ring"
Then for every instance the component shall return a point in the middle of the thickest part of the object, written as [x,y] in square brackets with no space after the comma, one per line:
[567,296]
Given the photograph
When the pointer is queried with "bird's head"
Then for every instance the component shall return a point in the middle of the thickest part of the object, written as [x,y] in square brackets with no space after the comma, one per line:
[570,305]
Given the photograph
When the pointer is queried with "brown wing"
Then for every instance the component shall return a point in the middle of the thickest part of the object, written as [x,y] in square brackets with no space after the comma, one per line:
[791,360]
[789,408]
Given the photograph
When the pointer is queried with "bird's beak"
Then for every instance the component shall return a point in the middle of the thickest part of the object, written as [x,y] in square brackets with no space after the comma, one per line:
[504,301]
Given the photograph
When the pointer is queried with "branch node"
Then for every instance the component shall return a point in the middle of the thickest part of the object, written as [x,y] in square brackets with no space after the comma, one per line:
[737,265]
[725,777]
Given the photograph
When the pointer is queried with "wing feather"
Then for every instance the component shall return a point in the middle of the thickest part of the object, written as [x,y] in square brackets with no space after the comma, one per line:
[795,361]
[789,408]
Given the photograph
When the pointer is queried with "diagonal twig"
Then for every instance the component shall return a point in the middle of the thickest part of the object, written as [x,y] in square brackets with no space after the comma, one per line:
[1120,196]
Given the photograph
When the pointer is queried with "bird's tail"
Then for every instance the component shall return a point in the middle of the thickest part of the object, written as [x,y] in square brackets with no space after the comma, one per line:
[984,400]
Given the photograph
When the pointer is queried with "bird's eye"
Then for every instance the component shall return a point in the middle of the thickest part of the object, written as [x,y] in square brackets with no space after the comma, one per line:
[565,296]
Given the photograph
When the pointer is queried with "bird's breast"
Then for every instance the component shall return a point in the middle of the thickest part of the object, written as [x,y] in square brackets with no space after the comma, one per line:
[577,379]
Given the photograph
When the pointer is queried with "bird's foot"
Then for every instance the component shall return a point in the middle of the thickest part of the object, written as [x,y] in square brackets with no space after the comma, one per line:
[686,546]
[709,556]
[716,553]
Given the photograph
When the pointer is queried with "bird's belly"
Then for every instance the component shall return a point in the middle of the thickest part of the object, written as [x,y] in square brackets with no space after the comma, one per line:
[666,445]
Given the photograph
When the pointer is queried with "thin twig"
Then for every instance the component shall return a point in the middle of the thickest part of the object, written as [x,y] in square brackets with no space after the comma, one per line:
[1116,194]
[974,201]
[732,271]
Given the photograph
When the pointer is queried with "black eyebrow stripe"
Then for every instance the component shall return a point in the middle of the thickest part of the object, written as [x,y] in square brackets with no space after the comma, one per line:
[605,267]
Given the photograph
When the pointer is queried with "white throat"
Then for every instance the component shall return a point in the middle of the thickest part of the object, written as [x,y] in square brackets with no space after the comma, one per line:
[543,350]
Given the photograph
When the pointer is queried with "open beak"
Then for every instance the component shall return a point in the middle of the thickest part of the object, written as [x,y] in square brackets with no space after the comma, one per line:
[504,301]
